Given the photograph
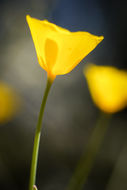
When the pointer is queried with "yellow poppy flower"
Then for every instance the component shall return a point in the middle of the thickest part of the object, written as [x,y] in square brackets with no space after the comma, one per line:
[59,50]
[108,87]
[9,103]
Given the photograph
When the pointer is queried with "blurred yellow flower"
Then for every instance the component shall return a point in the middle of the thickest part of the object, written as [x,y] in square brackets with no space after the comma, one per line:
[8,103]
[59,50]
[108,87]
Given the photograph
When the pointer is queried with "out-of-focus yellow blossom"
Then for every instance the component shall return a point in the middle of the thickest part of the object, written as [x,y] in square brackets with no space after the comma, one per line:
[59,50]
[9,103]
[108,87]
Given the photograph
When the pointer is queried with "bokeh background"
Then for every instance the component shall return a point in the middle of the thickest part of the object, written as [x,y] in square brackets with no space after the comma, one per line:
[70,114]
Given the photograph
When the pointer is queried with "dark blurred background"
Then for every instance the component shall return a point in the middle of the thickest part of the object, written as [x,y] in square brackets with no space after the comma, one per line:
[70,114]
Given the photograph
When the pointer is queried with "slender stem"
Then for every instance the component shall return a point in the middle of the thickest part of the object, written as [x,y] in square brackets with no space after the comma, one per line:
[87,160]
[37,138]
[118,179]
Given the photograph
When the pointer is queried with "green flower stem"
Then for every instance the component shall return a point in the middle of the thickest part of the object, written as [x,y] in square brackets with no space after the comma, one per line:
[37,137]
[118,179]
[87,160]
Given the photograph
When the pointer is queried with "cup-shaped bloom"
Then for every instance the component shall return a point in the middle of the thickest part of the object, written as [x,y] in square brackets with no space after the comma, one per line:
[9,103]
[108,87]
[59,50]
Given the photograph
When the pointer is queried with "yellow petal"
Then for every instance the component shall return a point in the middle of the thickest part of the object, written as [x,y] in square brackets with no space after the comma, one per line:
[108,87]
[59,50]
[51,53]
[73,48]
[9,103]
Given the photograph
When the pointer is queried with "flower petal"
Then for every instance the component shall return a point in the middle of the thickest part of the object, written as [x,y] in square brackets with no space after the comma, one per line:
[73,48]
[59,50]
[51,52]
[41,32]
[108,87]
[9,103]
